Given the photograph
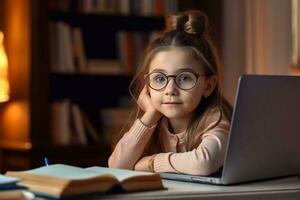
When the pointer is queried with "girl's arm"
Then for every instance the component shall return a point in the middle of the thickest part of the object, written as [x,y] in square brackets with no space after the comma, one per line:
[131,146]
[206,159]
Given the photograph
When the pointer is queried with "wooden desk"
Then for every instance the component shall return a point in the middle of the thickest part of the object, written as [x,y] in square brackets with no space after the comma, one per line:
[279,189]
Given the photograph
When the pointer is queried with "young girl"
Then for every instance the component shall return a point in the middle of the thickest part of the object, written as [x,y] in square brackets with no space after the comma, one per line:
[184,122]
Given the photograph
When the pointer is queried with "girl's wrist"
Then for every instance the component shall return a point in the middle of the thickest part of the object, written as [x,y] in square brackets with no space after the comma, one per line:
[150,118]
[151,163]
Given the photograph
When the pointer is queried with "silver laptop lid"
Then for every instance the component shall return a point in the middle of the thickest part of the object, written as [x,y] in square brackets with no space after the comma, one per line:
[265,129]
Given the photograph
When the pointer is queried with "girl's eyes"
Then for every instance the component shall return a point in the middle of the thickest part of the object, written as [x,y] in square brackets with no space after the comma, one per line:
[160,79]
[184,78]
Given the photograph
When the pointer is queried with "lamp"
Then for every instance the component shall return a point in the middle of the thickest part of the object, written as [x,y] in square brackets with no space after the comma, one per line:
[4,83]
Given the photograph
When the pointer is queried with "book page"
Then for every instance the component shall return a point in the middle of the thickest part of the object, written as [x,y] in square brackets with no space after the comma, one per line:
[120,174]
[64,172]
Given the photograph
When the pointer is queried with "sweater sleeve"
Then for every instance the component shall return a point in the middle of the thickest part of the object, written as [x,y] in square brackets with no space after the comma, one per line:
[131,146]
[206,159]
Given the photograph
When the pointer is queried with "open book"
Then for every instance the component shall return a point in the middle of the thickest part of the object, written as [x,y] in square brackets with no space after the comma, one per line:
[61,180]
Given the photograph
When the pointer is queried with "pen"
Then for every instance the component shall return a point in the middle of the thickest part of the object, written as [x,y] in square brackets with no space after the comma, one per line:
[46,162]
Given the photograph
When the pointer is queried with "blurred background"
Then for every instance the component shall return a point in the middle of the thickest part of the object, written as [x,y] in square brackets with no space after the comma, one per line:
[65,67]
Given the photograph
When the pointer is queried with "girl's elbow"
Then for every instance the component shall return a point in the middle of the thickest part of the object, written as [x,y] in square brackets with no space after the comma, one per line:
[113,163]
[204,168]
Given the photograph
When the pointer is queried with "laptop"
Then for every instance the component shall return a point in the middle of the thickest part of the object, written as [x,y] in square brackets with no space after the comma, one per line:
[264,137]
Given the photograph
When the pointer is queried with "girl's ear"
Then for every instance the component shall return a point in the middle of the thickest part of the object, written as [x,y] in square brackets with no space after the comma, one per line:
[210,84]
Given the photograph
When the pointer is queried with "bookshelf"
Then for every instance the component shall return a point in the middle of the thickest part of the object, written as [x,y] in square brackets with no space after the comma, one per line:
[92,92]
[110,40]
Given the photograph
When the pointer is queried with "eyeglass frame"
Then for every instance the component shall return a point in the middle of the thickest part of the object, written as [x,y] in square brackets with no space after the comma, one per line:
[146,77]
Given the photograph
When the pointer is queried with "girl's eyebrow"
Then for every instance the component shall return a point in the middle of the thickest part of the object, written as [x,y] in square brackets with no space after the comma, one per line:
[179,70]
[185,69]
[158,70]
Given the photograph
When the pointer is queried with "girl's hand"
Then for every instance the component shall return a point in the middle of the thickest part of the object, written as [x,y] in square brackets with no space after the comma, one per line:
[151,115]
[145,164]
[144,100]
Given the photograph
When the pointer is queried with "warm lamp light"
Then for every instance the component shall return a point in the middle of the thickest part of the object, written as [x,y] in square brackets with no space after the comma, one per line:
[4,84]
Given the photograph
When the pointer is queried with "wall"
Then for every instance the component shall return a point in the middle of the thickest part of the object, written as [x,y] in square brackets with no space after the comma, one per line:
[256,40]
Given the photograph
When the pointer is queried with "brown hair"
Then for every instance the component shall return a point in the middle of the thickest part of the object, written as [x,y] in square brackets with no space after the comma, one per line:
[187,30]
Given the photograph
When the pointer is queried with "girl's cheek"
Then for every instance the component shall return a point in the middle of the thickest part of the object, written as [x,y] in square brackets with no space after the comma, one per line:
[155,99]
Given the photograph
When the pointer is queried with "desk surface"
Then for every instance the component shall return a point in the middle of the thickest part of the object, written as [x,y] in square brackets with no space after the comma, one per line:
[285,188]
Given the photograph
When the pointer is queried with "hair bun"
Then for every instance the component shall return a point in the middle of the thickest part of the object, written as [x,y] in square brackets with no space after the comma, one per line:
[192,22]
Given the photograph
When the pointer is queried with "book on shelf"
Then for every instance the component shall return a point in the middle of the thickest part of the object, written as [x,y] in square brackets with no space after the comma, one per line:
[67,53]
[123,7]
[69,124]
[131,46]
[78,125]
[113,120]
[59,122]
[90,129]
[61,48]
[66,48]
[78,49]
[59,180]
[126,49]
[102,66]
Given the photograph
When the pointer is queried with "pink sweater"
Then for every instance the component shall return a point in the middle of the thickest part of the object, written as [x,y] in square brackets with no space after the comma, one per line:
[206,159]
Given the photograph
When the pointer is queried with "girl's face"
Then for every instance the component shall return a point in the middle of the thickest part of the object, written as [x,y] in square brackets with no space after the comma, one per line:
[172,101]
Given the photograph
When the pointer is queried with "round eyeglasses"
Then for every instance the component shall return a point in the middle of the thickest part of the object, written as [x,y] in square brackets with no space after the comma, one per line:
[184,80]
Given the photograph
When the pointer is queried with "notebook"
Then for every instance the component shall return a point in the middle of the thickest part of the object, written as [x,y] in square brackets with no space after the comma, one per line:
[264,137]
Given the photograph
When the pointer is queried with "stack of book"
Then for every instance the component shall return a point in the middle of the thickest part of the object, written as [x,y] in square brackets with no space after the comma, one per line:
[9,190]
[59,180]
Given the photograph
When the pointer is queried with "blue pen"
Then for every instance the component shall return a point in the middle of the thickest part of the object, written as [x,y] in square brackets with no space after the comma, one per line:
[46,162]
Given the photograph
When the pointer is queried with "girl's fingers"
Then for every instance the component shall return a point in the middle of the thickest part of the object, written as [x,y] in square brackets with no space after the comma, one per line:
[144,91]
[141,98]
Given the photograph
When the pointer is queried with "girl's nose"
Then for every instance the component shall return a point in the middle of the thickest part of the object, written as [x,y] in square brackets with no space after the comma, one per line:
[171,88]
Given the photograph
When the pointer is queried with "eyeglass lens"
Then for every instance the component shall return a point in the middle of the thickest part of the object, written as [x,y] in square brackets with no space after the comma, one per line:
[184,80]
